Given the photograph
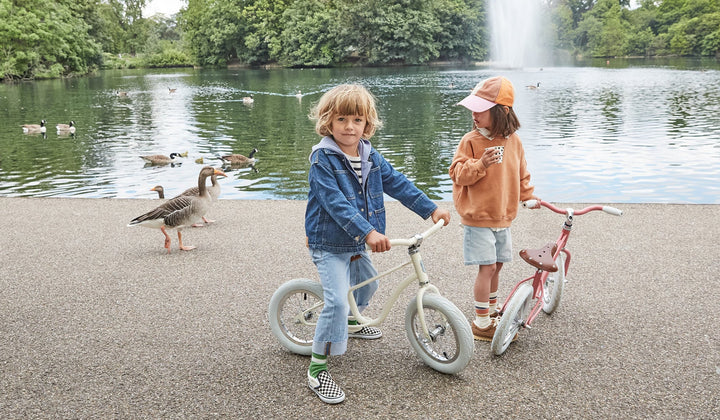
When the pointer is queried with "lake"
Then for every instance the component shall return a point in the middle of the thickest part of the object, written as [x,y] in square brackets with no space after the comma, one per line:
[619,132]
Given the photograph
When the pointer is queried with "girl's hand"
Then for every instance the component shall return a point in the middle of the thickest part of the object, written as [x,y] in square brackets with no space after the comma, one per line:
[490,157]
[377,241]
[441,214]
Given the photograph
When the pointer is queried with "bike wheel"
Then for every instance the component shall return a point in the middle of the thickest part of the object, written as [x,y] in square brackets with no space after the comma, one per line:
[293,312]
[512,319]
[450,346]
[553,286]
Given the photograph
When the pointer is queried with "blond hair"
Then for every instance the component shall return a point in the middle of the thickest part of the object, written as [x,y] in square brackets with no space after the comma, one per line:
[345,100]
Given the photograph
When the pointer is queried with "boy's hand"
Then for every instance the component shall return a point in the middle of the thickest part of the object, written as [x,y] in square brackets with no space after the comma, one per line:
[441,214]
[377,241]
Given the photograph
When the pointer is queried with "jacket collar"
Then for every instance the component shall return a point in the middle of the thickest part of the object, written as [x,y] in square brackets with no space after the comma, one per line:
[327,142]
[364,149]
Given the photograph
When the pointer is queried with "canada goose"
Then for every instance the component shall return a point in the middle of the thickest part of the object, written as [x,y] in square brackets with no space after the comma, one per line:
[248,99]
[533,86]
[161,159]
[171,90]
[181,211]
[237,159]
[34,128]
[160,190]
[121,94]
[66,128]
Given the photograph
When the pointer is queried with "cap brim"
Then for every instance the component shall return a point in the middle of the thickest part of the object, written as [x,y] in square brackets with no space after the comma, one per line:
[476,103]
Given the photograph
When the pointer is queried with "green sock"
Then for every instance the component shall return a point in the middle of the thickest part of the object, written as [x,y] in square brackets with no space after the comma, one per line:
[318,364]
[352,322]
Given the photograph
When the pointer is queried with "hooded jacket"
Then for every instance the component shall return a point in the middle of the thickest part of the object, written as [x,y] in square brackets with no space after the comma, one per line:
[340,210]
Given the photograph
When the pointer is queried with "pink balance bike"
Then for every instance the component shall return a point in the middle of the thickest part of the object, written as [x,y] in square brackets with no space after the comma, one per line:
[544,289]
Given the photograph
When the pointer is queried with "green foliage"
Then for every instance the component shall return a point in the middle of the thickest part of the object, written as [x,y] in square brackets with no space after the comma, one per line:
[311,35]
[462,33]
[40,39]
[213,30]
[334,32]
[604,28]
[44,39]
[167,57]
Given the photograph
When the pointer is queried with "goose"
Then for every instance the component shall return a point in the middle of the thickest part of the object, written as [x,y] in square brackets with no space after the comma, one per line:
[160,190]
[66,128]
[213,189]
[121,94]
[161,159]
[237,159]
[533,86]
[181,211]
[248,99]
[35,128]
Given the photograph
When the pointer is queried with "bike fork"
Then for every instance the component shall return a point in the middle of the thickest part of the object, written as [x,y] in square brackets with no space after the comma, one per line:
[421,313]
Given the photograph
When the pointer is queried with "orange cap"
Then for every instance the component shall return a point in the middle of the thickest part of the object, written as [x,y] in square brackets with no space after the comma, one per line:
[488,93]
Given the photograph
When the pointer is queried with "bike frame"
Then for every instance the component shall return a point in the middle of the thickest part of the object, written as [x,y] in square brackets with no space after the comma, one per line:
[419,274]
[538,279]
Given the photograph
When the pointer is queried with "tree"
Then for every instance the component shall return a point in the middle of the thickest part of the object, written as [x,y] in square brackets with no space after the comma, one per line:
[462,32]
[213,29]
[44,39]
[312,35]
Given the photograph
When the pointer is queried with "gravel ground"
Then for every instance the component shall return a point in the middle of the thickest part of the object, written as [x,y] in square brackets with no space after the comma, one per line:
[98,321]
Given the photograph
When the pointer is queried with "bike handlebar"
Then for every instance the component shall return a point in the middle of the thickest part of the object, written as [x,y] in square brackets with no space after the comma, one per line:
[607,209]
[414,240]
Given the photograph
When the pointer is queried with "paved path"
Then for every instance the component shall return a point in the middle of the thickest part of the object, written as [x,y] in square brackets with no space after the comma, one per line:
[97,321]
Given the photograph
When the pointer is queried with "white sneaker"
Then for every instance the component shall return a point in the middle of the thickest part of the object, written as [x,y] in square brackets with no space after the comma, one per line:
[326,388]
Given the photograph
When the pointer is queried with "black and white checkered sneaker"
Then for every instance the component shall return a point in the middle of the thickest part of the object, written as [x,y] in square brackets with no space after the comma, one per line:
[367,333]
[326,388]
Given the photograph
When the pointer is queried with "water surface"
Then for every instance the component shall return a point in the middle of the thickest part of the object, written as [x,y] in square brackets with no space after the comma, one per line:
[607,133]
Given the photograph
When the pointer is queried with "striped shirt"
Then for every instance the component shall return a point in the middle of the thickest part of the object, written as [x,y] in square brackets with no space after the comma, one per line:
[355,162]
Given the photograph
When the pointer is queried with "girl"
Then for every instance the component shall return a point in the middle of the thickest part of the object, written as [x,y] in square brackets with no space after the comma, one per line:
[345,211]
[490,178]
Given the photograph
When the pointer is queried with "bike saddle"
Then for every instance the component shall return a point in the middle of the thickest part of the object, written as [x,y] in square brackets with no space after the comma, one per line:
[542,258]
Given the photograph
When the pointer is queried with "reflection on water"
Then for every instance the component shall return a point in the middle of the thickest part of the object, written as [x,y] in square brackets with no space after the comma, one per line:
[605,134]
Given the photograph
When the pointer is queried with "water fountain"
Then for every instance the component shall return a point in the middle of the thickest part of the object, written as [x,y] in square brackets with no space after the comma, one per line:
[517,33]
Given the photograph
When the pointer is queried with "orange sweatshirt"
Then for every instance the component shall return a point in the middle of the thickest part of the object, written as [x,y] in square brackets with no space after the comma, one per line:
[489,197]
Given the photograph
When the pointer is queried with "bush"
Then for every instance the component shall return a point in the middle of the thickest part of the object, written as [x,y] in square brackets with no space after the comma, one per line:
[167,58]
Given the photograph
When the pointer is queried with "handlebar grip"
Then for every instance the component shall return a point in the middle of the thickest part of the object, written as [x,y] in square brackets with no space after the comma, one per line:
[529,204]
[612,210]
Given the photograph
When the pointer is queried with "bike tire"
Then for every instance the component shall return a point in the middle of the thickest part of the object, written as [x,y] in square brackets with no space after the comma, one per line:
[293,312]
[452,345]
[512,319]
[554,285]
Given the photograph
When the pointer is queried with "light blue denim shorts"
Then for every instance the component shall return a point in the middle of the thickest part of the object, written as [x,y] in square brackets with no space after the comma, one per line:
[483,246]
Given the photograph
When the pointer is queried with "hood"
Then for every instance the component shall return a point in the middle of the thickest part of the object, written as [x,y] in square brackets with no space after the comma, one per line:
[364,148]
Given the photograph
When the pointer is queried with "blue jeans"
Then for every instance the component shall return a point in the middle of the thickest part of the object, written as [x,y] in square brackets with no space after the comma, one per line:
[337,275]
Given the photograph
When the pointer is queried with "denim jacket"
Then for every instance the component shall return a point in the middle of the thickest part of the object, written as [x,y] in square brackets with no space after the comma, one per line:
[340,211]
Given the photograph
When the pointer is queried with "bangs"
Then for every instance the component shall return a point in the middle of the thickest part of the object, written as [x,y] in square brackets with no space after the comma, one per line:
[350,103]
[345,100]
